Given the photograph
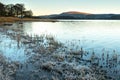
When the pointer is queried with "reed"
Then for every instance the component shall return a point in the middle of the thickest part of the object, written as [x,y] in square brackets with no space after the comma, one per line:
[49,56]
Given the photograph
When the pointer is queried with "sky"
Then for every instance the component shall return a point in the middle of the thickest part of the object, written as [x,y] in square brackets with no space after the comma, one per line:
[46,7]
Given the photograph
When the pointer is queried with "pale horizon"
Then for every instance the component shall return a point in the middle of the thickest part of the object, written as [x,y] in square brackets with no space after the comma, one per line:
[47,7]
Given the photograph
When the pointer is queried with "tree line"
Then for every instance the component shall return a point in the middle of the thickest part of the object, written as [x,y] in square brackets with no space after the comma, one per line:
[14,10]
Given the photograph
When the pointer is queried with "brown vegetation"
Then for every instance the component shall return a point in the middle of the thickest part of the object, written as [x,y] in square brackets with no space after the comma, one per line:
[15,19]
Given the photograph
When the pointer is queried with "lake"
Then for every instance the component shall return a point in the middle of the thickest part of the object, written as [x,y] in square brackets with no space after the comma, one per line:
[95,35]
[87,44]
[92,35]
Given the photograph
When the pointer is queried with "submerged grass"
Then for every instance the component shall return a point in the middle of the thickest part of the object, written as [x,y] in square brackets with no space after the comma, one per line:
[49,59]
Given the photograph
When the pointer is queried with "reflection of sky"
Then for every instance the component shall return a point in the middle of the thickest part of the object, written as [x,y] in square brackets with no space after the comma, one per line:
[41,7]
[92,34]
[10,50]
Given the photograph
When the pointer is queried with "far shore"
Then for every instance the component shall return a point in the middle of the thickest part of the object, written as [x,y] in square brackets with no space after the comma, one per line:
[16,19]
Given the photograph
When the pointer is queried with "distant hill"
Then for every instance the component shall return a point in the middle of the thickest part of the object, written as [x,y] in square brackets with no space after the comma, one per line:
[76,12]
[80,15]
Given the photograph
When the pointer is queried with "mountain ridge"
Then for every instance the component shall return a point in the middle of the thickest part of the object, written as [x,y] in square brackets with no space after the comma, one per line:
[80,15]
[76,12]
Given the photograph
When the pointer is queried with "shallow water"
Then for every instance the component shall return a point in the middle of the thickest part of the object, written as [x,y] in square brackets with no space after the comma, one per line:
[90,34]
[10,50]
[96,37]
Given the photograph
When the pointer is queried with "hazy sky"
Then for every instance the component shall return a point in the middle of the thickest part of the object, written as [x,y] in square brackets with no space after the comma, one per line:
[44,7]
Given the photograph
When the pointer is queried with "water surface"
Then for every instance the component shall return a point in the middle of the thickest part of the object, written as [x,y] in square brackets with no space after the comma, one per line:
[90,34]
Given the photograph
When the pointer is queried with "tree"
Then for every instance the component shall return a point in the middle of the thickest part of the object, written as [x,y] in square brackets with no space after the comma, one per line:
[2,11]
[9,9]
[19,9]
[28,13]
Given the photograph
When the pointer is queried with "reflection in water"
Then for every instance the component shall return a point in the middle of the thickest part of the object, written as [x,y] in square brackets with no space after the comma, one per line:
[45,53]
[91,34]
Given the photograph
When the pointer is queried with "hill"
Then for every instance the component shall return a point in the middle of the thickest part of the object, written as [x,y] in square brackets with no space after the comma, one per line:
[76,12]
[80,15]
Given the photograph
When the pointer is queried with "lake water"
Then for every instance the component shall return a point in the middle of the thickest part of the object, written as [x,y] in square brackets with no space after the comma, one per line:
[94,35]
[100,36]
[91,35]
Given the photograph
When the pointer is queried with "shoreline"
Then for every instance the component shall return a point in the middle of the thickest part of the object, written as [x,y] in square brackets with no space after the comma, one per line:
[15,19]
